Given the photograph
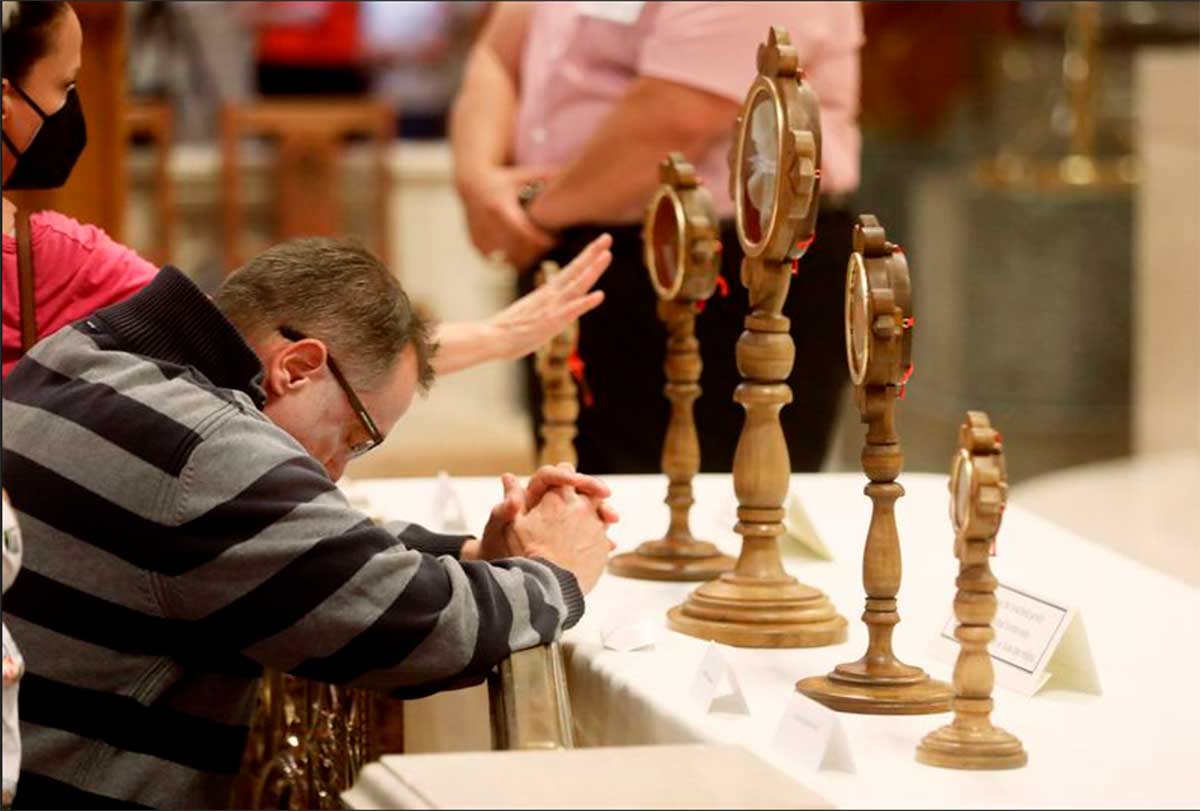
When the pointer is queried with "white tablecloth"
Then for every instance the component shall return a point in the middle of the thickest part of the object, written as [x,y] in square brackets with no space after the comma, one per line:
[1136,745]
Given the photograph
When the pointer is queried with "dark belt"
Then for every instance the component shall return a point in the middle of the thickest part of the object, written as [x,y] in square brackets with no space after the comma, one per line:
[577,236]
[842,202]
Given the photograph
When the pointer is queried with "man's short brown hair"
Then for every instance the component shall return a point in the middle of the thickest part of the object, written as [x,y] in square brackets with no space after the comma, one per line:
[334,290]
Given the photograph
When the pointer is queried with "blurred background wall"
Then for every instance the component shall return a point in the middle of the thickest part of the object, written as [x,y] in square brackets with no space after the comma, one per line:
[1016,151]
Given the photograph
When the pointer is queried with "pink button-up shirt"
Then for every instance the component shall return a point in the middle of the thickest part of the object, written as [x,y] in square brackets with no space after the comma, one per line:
[580,58]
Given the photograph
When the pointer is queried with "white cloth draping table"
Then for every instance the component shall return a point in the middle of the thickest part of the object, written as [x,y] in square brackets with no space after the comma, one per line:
[1138,744]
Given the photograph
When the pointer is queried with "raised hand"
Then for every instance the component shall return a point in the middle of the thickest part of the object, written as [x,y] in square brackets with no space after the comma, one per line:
[535,318]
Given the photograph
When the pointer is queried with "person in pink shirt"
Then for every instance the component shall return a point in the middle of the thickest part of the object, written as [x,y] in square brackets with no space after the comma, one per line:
[565,112]
[80,269]
[77,268]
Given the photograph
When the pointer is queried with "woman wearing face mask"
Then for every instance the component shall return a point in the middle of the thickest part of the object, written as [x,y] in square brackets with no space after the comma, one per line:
[77,268]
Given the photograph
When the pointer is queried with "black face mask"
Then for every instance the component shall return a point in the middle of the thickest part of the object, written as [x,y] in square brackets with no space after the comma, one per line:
[48,160]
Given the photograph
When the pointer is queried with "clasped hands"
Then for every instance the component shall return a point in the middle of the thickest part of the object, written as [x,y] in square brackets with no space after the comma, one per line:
[538,316]
[560,516]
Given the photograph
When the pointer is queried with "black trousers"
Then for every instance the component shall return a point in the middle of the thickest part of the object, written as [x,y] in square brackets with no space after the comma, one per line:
[623,345]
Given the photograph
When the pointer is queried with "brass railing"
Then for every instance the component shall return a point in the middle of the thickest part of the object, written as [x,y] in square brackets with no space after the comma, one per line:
[530,705]
[307,743]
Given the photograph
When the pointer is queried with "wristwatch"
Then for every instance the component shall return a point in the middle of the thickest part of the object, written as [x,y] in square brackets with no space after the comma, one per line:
[526,196]
[529,191]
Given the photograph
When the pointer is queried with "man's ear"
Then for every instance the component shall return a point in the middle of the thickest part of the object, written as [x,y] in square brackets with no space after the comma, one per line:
[5,90]
[294,365]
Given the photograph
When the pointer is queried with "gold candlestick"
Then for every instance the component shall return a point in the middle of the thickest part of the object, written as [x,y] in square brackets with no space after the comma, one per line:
[978,492]
[774,181]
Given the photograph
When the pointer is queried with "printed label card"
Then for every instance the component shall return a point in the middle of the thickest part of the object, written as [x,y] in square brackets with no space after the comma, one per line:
[1038,641]
[811,735]
[715,687]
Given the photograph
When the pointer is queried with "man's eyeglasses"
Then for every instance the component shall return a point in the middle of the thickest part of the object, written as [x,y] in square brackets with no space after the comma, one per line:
[374,437]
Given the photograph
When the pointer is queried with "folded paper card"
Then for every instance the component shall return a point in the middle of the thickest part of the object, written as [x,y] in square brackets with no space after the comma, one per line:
[1039,641]
[800,535]
[799,530]
[715,687]
[626,634]
[447,506]
[812,736]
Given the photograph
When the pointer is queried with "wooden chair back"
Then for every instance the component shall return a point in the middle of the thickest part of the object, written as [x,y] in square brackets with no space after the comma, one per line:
[153,121]
[311,135]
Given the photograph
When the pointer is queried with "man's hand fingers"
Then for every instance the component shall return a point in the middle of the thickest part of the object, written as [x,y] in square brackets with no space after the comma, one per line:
[514,496]
[589,485]
[563,475]
[607,514]
[566,493]
[544,478]
[504,513]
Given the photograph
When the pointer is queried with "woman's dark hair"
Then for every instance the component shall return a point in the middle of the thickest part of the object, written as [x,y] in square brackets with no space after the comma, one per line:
[27,32]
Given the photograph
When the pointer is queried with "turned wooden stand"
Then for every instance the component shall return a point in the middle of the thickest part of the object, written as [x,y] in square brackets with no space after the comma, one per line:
[774,183]
[682,252]
[978,492]
[560,396]
[879,324]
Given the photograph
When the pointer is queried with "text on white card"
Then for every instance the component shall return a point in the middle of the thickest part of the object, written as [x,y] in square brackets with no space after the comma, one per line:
[1026,628]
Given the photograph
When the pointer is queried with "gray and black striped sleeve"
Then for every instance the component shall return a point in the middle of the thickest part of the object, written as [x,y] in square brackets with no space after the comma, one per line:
[278,567]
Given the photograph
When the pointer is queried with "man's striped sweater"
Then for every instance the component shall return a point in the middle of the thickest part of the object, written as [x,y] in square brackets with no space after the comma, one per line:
[177,542]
